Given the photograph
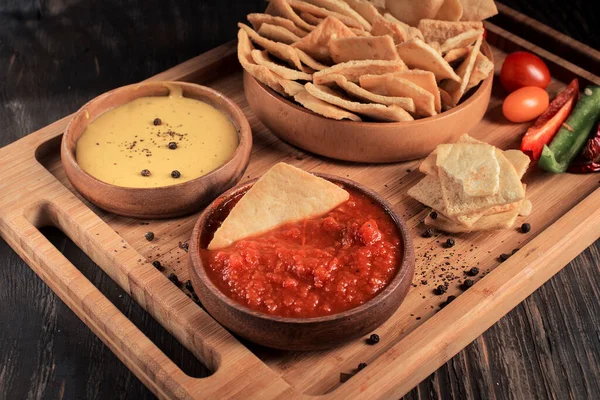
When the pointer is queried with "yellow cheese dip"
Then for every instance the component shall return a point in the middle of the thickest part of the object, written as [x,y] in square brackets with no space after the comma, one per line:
[158,134]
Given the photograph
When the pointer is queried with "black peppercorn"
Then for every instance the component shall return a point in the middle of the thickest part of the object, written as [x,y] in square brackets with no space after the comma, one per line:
[525,228]
[433,215]
[449,243]
[157,264]
[373,339]
[188,285]
[145,172]
[362,366]
[172,145]
[149,236]
[515,250]
[157,121]
[450,299]
[175,174]
[440,290]
[473,271]
[503,257]
[467,284]
[173,278]
[428,233]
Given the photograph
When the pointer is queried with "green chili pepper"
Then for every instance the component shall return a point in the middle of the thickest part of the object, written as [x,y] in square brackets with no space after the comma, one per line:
[572,136]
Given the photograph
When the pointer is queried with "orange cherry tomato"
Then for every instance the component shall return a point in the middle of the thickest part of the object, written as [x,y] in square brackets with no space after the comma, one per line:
[525,104]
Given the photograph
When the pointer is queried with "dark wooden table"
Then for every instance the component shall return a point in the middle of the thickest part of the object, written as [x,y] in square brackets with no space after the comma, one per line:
[57,54]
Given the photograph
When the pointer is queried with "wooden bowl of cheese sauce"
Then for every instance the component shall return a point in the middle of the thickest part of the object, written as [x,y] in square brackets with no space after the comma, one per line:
[156,149]
[300,261]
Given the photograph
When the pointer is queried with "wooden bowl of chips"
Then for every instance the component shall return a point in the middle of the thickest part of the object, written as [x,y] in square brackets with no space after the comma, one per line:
[374,142]
[297,333]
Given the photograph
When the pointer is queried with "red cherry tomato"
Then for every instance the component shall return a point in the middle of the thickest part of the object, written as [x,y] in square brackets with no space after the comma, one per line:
[525,104]
[484,34]
[522,69]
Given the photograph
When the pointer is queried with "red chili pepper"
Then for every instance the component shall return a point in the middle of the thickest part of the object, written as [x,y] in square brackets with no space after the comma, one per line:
[589,160]
[545,127]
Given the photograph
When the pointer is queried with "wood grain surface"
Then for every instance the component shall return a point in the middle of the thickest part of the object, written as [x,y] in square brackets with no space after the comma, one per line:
[56,55]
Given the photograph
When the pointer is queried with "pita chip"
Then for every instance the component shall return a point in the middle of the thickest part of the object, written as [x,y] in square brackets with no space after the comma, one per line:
[440,31]
[283,9]
[382,26]
[451,10]
[283,194]
[464,39]
[457,89]
[280,50]
[478,10]
[412,11]
[343,8]
[316,43]
[323,108]
[257,20]
[309,61]
[366,10]
[277,33]
[419,55]
[376,111]
[262,58]
[455,54]
[353,70]
[356,91]
[311,19]
[260,72]
[502,220]
[393,86]
[291,88]
[525,208]
[304,7]
[362,48]
[482,69]
[426,80]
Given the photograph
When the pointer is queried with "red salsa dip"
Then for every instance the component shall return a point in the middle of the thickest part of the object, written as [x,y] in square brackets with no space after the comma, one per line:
[310,268]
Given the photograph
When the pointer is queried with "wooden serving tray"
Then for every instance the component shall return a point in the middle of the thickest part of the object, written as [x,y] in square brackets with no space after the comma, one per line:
[418,338]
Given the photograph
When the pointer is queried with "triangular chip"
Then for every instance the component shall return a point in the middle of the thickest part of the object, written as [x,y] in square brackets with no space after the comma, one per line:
[426,80]
[362,48]
[353,70]
[428,191]
[366,10]
[283,194]
[261,73]
[323,108]
[464,39]
[446,100]
[519,160]
[412,11]
[390,85]
[470,170]
[283,9]
[341,7]
[478,10]
[309,61]
[280,50]
[419,55]
[502,220]
[311,19]
[482,69]
[291,88]
[451,10]
[382,26]
[316,43]
[277,33]
[356,91]
[440,31]
[376,111]
[257,20]
[457,89]
[262,58]
[320,12]
[455,54]
[510,191]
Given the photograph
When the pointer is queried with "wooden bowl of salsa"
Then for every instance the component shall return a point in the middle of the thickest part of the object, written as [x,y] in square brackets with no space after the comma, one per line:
[306,285]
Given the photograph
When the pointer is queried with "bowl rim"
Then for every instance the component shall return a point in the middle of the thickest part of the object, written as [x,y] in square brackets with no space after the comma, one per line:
[406,264]
[234,113]
[486,82]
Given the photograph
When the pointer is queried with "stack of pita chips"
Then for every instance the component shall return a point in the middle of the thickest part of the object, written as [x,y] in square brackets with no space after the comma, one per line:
[473,186]
[350,59]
